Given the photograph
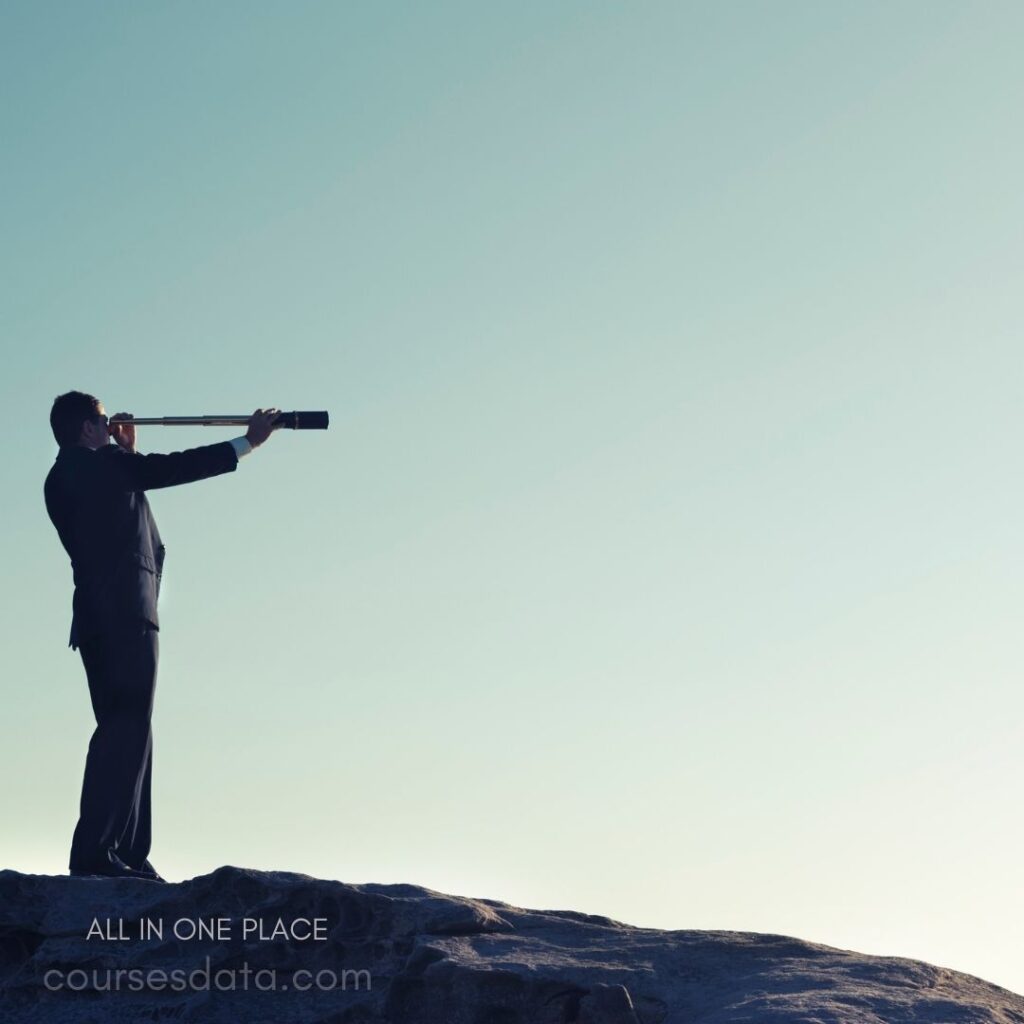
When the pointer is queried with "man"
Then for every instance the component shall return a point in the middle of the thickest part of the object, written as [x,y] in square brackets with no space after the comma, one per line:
[95,497]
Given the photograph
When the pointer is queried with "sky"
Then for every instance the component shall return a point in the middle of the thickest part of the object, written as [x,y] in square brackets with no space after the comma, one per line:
[663,557]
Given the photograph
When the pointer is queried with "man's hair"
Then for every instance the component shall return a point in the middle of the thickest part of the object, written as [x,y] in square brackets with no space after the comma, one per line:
[68,414]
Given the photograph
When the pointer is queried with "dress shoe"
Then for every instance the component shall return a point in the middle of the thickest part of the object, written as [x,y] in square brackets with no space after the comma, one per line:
[150,872]
[116,868]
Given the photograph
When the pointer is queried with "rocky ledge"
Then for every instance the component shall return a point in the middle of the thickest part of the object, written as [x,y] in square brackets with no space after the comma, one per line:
[269,946]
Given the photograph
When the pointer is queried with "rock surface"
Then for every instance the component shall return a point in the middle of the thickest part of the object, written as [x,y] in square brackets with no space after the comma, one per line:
[403,954]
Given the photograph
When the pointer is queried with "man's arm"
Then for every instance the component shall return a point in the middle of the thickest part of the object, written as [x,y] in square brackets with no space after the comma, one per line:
[149,472]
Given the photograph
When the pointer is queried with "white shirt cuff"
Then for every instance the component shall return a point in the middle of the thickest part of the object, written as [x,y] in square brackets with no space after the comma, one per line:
[241,446]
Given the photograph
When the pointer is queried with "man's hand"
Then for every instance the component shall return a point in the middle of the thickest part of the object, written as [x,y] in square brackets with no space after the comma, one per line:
[261,426]
[124,436]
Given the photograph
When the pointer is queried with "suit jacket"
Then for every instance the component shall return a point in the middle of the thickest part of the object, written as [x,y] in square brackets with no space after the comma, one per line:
[96,500]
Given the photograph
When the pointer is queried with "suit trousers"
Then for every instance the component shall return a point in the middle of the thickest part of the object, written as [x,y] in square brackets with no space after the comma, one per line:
[114,813]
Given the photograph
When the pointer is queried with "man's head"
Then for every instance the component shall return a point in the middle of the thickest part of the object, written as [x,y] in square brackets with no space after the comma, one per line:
[79,419]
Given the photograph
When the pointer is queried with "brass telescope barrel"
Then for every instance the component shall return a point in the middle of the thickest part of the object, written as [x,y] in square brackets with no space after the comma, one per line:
[290,420]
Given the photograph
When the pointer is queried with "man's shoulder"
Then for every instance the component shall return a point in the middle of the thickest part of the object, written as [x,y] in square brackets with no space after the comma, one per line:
[78,465]
[76,455]
[64,465]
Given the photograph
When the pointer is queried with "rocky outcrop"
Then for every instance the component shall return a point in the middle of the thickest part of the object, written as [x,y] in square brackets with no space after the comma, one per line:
[262,946]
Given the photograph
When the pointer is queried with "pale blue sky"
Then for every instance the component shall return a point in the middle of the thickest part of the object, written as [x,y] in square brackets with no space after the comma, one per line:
[662,560]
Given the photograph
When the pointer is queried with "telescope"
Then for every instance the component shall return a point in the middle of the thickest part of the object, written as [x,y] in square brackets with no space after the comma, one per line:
[290,420]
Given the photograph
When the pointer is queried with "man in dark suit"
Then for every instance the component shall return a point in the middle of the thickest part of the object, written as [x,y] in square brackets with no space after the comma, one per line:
[95,497]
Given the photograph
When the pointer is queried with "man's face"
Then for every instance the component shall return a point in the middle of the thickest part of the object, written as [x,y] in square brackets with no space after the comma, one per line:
[96,432]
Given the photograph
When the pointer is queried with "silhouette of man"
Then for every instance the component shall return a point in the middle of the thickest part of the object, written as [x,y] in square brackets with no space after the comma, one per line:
[95,497]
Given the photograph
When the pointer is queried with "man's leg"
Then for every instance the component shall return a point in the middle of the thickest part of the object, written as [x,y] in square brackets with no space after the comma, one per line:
[115,811]
[133,847]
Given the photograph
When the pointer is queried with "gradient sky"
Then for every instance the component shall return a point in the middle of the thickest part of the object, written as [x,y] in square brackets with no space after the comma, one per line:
[663,557]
